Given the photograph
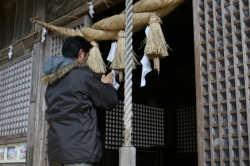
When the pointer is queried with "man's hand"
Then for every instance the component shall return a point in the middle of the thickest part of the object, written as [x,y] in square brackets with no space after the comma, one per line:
[109,79]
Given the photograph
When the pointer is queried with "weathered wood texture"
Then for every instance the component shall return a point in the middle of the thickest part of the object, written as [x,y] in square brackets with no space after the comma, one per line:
[21,31]
[36,121]
[58,8]
[15,18]
[14,164]
[199,112]
[10,139]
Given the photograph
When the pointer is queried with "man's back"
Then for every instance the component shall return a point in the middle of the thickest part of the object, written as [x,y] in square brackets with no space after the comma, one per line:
[72,97]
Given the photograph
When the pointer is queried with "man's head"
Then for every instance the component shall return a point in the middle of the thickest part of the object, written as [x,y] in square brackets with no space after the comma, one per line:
[76,47]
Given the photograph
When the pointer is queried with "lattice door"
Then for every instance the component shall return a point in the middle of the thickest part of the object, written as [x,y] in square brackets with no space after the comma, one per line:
[186,130]
[14,100]
[225,62]
[148,127]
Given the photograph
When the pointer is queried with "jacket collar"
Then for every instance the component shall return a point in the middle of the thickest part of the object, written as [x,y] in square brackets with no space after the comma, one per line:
[54,77]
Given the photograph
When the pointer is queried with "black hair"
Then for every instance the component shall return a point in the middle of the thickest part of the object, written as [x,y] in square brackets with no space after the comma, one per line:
[72,46]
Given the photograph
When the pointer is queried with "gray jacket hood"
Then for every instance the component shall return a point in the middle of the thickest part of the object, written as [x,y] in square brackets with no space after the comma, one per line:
[57,67]
[54,63]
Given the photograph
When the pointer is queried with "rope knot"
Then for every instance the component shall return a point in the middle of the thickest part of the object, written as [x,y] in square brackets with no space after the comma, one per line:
[121,34]
[155,19]
[94,44]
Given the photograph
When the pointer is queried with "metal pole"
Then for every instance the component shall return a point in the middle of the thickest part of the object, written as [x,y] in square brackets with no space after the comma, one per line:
[127,153]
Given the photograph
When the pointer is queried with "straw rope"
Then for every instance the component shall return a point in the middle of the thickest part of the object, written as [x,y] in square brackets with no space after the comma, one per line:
[128,75]
[152,5]
[34,20]
[108,28]
[95,60]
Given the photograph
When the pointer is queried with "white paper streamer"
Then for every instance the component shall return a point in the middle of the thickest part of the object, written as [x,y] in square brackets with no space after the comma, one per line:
[43,34]
[146,66]
[147,30]
[10,51]
[112,52]
[115,84]
[91,9]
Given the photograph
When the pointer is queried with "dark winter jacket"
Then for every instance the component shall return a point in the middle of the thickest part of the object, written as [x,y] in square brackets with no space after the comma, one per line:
[73,95]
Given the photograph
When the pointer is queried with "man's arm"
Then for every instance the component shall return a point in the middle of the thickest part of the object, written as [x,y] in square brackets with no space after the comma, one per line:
[101,92]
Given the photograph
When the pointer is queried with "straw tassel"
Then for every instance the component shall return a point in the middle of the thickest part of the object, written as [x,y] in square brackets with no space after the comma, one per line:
[156,46]
[118,62]
[95,60]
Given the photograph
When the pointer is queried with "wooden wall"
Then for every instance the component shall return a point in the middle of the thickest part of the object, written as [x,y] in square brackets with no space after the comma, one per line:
[14,19]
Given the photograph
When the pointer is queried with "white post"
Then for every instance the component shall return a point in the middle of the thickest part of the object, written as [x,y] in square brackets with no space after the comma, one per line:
[127,153]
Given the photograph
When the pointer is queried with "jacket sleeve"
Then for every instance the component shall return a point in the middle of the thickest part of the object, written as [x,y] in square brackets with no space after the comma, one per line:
[102,95]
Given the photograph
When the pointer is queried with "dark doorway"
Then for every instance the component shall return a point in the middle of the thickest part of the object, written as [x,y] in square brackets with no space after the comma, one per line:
[167,101]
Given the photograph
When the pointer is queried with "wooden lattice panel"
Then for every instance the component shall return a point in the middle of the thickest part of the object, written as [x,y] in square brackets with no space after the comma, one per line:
[225,63]
[186,130]
[57,42]
[14,99]
[148,127]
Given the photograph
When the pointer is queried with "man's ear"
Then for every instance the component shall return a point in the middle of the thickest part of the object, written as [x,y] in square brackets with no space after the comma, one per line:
[80,53]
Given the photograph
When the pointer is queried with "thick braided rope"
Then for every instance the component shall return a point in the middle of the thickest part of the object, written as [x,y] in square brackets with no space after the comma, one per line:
[128,75]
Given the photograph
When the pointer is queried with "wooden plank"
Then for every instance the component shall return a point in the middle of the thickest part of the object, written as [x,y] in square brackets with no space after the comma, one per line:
[235,77]
[218,102]
[7,3]
[20,47]
[29,12]
[228,124]
[13,164]
[246,71]
[99,6]
[199,110]
[9,22]
[19,20]
[36,137]
[13,61]
[17,138]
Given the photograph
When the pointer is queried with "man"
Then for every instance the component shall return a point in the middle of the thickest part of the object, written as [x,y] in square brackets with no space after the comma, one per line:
[73,95]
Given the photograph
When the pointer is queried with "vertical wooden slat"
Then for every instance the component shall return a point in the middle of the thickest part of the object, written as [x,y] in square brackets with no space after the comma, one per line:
[234,39]
[209,81]
[246,73]
[19,20]
[199,112]
[29,12]
[9,14]
[88,21]
[218,101]
[227,86]
[36,137]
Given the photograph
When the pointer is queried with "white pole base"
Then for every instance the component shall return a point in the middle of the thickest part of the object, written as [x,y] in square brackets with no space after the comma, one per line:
[127,156]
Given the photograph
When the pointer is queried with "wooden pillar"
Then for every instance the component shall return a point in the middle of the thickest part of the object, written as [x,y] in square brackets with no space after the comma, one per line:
[36,121]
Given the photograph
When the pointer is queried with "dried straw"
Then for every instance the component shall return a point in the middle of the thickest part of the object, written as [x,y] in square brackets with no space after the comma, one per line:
[146,5]
[119,60]
[61,30]
[156,45]
[157,64]
[107,29]
[95,60]
[97,35]
[117,22]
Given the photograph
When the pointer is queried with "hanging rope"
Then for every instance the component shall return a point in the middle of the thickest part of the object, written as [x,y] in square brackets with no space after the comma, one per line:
[128,75]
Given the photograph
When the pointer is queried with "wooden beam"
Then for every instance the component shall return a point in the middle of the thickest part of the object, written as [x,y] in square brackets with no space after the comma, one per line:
[20,47]
[16,138]
[199,112]
[99,6]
